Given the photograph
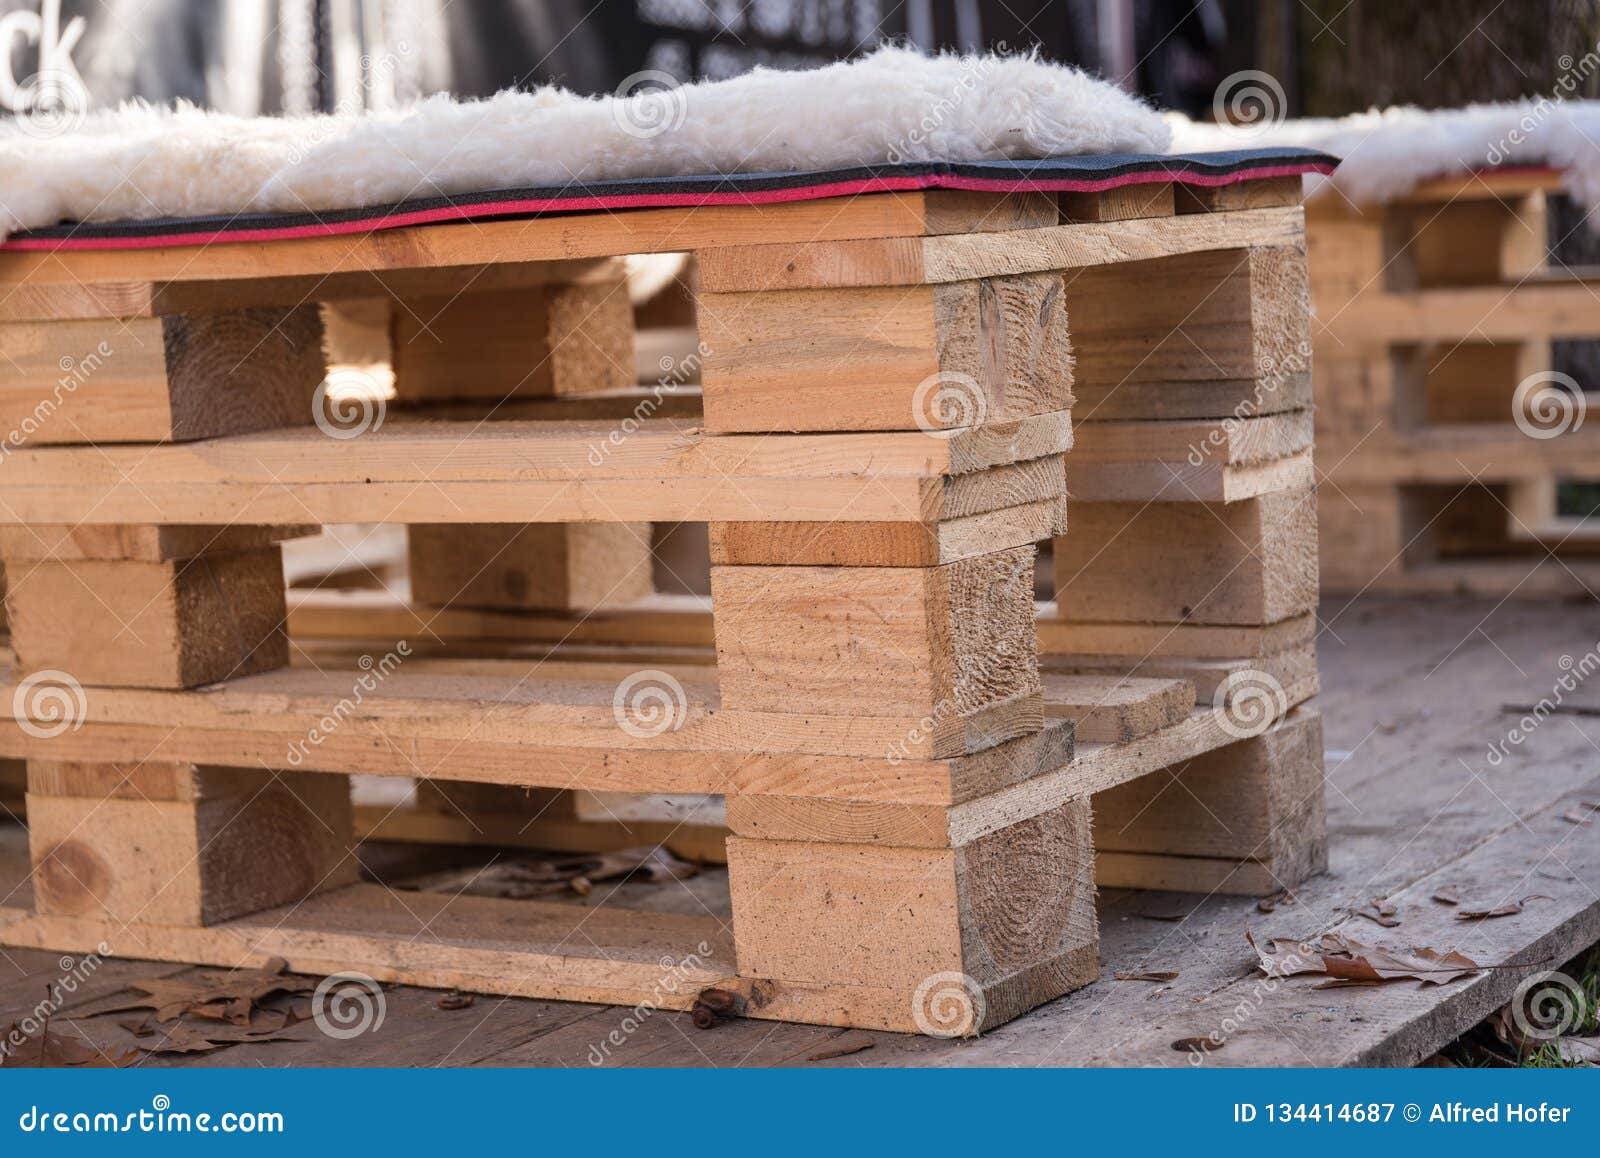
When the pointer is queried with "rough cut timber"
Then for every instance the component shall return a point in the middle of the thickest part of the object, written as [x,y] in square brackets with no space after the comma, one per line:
[932,357]
[1191,460]
[1250,564]
[177,624]
[177,378]
[545,566]
[181,845]
[1226,334]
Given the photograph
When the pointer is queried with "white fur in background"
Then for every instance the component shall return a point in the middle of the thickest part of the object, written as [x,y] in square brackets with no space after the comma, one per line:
[1385,154]
[143,162]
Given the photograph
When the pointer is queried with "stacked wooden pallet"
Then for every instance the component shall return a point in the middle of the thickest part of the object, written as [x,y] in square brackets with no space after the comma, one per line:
[878,445]
[1451,405]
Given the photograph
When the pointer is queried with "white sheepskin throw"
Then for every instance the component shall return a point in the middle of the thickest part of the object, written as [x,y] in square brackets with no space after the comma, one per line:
[895,105]
[1388,153]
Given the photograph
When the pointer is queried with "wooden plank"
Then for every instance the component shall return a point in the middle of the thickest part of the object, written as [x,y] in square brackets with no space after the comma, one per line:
[143,543]
[1250,564]
[1225,460]
[1124,203]
[148,380]
[451,472]
[1267,193]
[1214,334]
[919,261]
[887,544]
[1194,640]
[886,358]
[169,625]
[1559,306]
[561,237]
[1111,711]
[241,841]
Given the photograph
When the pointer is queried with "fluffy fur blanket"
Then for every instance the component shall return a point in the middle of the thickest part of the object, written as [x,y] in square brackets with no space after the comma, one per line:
[895,105]
[1388,153]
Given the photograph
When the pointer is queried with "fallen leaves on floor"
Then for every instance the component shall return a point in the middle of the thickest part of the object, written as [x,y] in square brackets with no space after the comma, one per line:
[455,1000]
[58,1047]
[1151,976]
[1509,909]
[1268,904]
[841,1051]
[232,997]
[1349,960]
[1379,911]
[1447,894]
[1574,816]
[1198,1045]
[524,877]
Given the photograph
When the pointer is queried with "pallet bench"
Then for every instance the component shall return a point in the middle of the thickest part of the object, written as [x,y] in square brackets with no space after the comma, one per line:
[907,744]
[1432,310]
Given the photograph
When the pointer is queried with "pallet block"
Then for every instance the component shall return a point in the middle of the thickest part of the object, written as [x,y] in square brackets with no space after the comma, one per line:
[177,378]
[177,844]
[1247,818]
[537,566]
[886,388]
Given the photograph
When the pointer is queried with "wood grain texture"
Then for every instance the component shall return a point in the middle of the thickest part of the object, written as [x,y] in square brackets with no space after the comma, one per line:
[141,543]
[1200,335]
[178,378]
[535,566]
[167,625]
[503,472]
[247,840]
[1124,203]
[918,261]
[1249,564]
[929,357]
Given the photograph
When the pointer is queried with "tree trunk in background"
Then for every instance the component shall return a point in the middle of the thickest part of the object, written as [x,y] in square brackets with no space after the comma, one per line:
[1357,54]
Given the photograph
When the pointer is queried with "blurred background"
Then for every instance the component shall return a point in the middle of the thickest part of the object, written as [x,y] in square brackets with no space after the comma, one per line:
[270,56]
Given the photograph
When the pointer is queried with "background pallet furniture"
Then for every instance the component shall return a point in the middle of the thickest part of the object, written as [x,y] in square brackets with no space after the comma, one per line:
[884,414]
[1431,312]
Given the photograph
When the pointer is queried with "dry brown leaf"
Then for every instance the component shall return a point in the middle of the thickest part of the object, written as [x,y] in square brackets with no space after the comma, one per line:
[1380,912]
[1347,959]
[1573,816]
[1447,894]
[1268,904]
[1509,909]
[1197,1044]
[455,1000]
[57,1048]
[520,878]
[1149,976]
[1579,1050]
[231,998]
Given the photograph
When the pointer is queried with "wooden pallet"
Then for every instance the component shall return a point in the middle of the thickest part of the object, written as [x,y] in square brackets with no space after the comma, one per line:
[877,444]
[1431,311]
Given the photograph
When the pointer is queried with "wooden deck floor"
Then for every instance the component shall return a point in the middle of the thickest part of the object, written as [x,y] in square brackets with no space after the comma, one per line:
[1414,696]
